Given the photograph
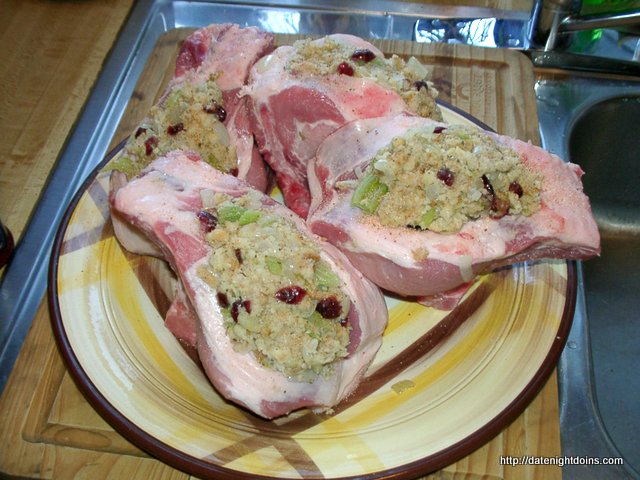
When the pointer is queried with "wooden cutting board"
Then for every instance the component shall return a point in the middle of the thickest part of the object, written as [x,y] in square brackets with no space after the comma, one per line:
[493,85]
[48,430]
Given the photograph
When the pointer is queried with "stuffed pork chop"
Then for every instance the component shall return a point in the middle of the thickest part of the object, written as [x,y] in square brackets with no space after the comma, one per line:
[227,52]
[300,94]
[284,321]
[422,207]
[200,110]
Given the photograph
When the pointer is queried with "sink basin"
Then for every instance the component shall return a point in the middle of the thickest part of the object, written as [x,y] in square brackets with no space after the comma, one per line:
[594,122]
[605,140]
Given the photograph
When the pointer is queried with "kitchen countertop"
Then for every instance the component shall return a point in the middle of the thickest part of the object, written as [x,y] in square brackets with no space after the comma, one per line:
[56,53]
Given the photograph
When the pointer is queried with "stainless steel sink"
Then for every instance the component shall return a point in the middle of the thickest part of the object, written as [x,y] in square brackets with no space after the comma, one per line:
[606,139]
[595,122]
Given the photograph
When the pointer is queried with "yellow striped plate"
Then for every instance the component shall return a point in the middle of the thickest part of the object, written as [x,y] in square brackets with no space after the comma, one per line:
[442,384]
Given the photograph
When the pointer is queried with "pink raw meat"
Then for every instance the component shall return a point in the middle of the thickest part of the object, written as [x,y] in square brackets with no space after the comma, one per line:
[228,51]
[294,113]
[181,319]
[394,258]
[447,300]
[163,202]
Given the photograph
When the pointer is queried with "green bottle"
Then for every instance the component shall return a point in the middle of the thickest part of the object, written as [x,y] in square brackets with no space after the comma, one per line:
[584,41]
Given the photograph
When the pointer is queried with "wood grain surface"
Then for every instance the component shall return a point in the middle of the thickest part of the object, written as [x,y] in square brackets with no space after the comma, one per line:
[47,429]
[56,52]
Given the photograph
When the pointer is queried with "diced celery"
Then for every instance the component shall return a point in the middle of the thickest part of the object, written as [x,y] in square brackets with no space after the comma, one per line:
[369,193]
[230,213]
[126,165]
[250,322]
[213,161]
[249,216]
[316,326]
[401,386]
[274,265]
[418,70]
[324,277]
[315,317]
[226,314]
[174,107]
[172,100]
[427,218]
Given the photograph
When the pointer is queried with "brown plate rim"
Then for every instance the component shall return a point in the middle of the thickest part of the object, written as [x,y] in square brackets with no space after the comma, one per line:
[195,466]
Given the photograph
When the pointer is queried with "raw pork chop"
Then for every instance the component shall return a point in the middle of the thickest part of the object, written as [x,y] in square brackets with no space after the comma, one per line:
[421,262]
[227,52]
[302,93]
[165,202]
[224,52]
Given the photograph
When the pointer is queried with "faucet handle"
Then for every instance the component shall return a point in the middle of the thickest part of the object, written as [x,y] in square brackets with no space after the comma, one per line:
[546,15]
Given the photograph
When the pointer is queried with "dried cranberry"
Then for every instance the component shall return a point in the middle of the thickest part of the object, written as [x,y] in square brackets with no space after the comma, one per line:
[345,69]
[291,295]
[329,307]
[223,300]
[149,144]
[140,131]
[499,207]
[238,254]
[216,109]
[175,129]
[515,187]
[235,308]
[420,84]
[344,322]
[234,171]
[208,220]
[487,185]
[445,175]
[439,129]
[363,55]
[246,304]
